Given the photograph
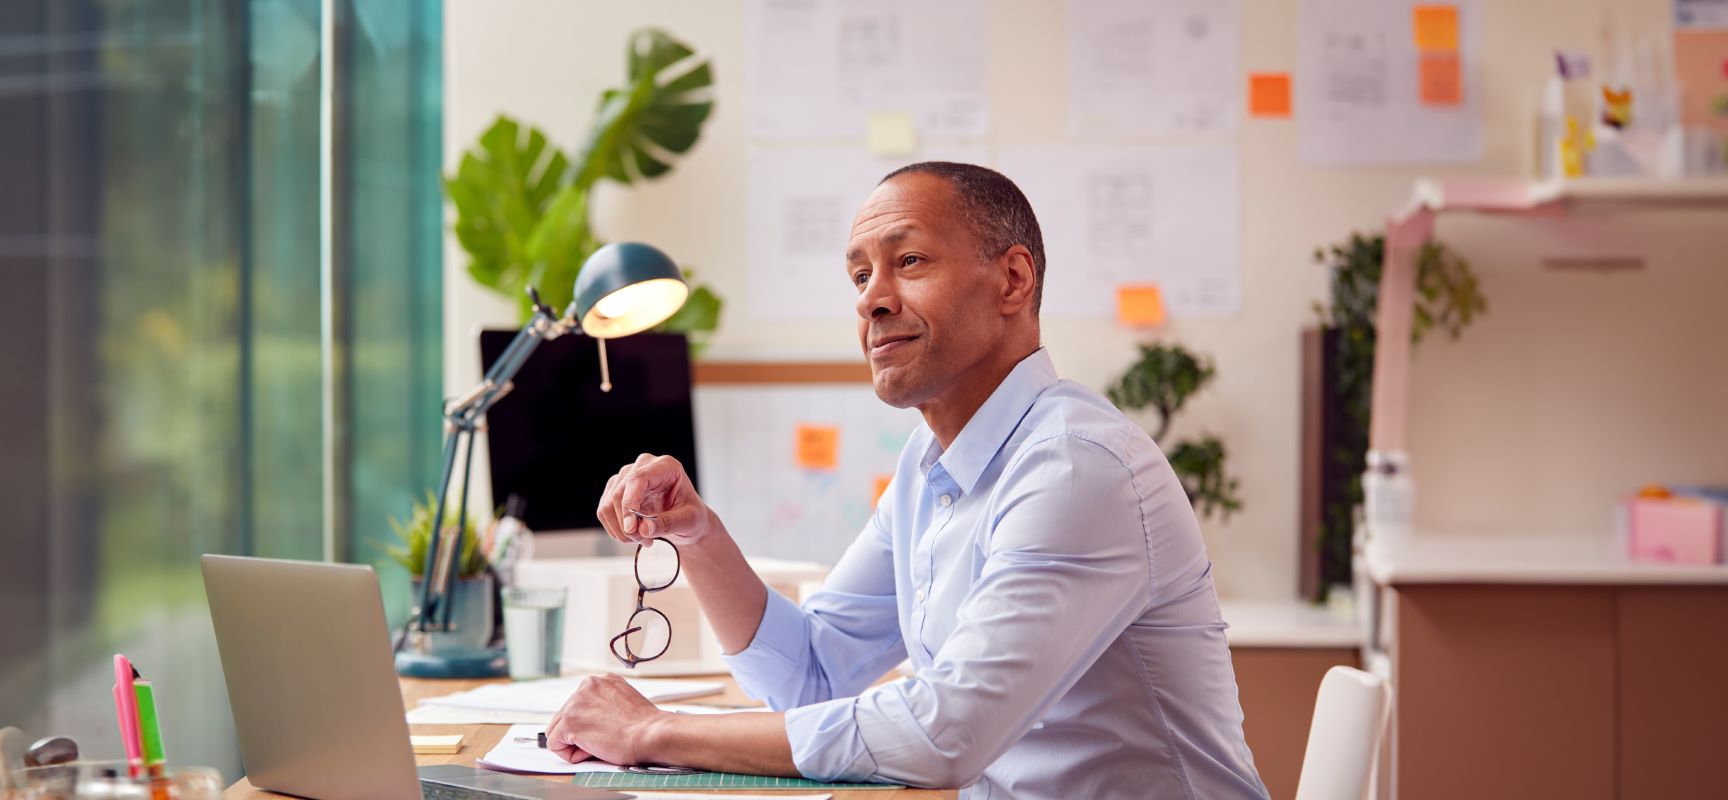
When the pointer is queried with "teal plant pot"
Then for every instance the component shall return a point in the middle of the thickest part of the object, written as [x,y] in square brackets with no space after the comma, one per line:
[460,652]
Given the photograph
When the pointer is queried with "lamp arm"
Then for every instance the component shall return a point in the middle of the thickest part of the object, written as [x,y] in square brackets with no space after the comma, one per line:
[462,418]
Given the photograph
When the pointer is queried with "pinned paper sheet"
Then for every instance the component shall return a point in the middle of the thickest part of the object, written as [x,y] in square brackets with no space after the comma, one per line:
[818,447]
[1269,94]
[1442,79]
[1435,28]
[892,133]
[880,488]
[1141,306]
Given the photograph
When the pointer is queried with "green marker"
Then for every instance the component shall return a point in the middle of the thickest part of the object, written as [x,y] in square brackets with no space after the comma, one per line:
[150,731]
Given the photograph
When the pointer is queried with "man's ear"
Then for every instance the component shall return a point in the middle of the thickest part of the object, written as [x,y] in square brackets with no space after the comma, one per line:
[1021,280]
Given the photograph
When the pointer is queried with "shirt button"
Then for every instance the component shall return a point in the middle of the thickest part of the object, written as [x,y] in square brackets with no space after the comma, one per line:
[919,595]
[947,501]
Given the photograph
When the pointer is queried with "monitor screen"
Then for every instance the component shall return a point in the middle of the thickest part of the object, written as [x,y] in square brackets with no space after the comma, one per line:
[555,439]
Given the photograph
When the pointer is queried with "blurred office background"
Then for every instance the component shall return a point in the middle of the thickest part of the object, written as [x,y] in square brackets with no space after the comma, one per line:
[184,369]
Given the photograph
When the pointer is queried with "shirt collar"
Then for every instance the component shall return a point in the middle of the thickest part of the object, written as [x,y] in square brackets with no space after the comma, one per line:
[993,422]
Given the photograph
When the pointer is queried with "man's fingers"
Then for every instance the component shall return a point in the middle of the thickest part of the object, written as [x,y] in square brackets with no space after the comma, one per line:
[645,477]
[608,510]
[676,522]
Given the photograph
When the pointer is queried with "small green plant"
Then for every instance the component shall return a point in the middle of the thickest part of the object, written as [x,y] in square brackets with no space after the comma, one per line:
[1448,297]
[414,536]
[522,206]
[1163,379]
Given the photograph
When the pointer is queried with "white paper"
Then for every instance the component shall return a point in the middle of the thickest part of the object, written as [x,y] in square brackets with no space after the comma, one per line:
[1161,68]
[817,68]
[1358,95]
[457,715]
[801,201]
[1111,216]
[528,756]
[547,696]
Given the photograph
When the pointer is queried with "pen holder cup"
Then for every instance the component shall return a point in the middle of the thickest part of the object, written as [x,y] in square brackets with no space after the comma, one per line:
[471,617]
[109,780]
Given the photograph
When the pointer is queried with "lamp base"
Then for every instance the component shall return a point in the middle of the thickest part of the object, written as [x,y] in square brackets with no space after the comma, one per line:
[465,664]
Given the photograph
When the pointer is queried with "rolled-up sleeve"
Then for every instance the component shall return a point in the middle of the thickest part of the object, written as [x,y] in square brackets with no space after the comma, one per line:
[844,637]
[1066,569]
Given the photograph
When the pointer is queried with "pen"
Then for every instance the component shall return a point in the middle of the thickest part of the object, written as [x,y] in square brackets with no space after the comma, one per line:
[126,709]
[524,740]
[149,727]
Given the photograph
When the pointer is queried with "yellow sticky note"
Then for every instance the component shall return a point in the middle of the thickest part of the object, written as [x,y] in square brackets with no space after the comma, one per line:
[1269,94]
[1435,28]
[880,488]
[892,133]
[1140,305]
[1441,78]
[818,446]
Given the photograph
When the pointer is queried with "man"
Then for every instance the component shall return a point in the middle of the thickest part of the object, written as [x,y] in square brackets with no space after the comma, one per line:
[1034,557]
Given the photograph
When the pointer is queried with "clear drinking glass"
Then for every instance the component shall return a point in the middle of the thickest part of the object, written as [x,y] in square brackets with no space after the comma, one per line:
[108,780]
[534,631]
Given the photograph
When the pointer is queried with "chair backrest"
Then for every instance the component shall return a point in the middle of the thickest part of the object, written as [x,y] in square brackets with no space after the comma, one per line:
[1349,716]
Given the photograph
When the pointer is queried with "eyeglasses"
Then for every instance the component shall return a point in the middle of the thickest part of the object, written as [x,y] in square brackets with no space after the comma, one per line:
[649,632]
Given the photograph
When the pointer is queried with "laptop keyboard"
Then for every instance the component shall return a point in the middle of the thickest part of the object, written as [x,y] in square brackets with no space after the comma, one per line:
[432,790]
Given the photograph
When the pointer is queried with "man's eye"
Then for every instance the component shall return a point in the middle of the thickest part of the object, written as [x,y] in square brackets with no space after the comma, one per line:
[860,278]
[909,260]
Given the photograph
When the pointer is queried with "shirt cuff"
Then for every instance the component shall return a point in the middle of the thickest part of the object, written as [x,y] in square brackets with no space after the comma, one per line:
[778,652]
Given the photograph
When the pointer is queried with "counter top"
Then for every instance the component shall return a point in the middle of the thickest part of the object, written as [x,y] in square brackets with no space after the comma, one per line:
[1290,623]
[1522,559]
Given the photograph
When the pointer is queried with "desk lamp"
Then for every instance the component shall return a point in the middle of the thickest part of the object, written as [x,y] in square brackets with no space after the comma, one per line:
[622,289]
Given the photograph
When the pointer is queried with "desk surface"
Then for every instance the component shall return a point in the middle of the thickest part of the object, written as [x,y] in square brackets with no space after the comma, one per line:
[478,739]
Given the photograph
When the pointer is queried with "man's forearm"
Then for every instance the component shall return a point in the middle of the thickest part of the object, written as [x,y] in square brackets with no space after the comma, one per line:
[732,595]
[753,742]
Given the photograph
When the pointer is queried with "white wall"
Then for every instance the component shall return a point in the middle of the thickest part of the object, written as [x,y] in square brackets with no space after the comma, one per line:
[546,60]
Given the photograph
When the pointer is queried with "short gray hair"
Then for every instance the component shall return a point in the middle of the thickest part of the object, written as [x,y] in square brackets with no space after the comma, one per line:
[996,209]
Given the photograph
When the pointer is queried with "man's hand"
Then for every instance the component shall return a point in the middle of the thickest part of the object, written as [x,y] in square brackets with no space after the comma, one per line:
[604,718]
[657,486]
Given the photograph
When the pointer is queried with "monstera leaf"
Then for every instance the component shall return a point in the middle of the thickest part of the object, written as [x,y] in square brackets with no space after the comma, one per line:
[522,206]
[639,128]
[501,191]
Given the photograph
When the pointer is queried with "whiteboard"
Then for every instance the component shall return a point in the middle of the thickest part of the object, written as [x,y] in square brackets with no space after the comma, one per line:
[748,469]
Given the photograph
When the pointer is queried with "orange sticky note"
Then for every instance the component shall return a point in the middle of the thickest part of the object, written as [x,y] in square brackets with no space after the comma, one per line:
[818,446]
[1442,79]
[880,488]
[1269,94]
[1435,28]
[1140,305]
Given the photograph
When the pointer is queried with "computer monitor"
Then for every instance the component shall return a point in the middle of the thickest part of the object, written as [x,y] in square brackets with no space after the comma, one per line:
[555,439]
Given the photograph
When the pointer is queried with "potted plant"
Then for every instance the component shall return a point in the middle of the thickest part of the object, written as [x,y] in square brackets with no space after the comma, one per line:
[1341,365]
[472,614]
[1163,379]
[522,205]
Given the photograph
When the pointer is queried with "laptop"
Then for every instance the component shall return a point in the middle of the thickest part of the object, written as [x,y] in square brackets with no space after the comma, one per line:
[306,655]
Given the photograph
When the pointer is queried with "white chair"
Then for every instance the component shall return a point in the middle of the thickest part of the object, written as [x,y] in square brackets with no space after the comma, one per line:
[1343,740]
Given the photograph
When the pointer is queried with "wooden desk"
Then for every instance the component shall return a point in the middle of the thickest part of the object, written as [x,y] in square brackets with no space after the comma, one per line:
[478,739]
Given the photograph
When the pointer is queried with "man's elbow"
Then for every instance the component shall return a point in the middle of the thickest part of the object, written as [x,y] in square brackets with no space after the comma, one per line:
[949,772]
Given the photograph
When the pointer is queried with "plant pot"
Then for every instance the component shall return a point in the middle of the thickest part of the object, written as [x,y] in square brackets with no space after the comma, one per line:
[461,651]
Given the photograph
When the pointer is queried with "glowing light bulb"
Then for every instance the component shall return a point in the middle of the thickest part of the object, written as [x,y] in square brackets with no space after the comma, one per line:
[615,305]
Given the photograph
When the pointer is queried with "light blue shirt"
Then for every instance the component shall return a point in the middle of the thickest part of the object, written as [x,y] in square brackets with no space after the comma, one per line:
[1046,578]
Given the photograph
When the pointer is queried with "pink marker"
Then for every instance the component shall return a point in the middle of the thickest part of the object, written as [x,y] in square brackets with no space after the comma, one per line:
[126,709]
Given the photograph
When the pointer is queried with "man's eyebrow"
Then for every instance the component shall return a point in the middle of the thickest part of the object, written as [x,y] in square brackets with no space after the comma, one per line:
[893,237]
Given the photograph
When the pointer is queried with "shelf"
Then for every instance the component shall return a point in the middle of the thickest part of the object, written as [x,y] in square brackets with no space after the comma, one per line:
[1504,196]
[1581,559]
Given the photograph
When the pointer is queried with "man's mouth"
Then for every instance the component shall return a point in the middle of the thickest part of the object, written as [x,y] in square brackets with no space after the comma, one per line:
[889,344]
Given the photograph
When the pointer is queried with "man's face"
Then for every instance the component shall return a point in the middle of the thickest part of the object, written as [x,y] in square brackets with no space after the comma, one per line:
[928,304]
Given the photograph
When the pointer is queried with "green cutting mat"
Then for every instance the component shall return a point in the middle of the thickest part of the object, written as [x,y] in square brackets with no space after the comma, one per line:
[709,780]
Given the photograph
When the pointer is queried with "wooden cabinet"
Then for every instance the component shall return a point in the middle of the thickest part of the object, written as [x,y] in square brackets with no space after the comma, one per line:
[1595,691]
[1277,687]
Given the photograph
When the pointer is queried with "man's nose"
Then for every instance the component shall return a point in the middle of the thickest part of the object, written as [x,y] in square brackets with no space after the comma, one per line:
[880,296]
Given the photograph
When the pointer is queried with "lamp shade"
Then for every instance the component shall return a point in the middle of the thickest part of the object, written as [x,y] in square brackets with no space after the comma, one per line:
[626,288]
